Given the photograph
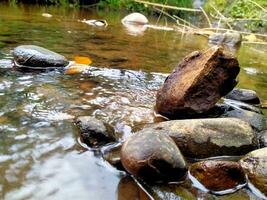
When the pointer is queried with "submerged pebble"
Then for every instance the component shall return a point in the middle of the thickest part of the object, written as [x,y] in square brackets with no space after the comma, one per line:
[94,132]
[218,175]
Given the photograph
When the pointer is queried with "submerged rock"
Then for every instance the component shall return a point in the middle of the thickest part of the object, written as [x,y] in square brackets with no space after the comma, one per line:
[255,166]
[135,18]
[197,83]
[227,38]
[128,189]
[94,132]
[112,155]
[218,175]
[244,95]
[35,57]
[201,138]
[153,156]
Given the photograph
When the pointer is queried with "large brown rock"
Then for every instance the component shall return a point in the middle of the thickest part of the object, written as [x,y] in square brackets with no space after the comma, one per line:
[197,83]
[202,138]
[218,175]
[153,157]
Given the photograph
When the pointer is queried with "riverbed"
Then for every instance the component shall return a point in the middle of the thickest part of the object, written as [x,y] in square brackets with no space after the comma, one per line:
[41,155]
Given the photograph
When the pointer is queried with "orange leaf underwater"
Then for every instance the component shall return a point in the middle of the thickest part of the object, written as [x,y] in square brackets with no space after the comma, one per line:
[82,60]
[76,69]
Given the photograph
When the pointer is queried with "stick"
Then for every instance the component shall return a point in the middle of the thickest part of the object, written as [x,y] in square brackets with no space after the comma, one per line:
[205,14]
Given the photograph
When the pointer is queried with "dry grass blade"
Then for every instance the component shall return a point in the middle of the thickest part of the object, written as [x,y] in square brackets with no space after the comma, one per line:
[222,16]
[186,22]
[167,6]
[255,3]
[206,16]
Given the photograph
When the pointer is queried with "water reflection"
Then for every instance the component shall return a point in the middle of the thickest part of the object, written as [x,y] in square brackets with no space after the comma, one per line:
[40,157]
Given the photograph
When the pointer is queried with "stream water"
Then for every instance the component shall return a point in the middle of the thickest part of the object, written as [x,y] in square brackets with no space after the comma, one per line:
[40,153]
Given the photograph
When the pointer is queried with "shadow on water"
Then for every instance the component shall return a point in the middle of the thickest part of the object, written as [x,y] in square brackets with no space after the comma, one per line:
[40,157]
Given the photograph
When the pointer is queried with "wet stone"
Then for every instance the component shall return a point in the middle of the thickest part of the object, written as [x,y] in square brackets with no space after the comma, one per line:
[153,157]
[35,57]
[256,120]
[255,166]
[244,95]
[128,189]
[219,136]
[135,18]
[263,138]
[94,132]
[218,175]
[112,155]
[228,38]
[197,83]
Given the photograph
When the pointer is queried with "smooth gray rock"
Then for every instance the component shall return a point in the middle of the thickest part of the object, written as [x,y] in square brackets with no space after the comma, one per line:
[35,57]
[255,166]
[94,132]
[154,157]
[256,120]
[244,95]
[227,38]
[263,138]
[201,138]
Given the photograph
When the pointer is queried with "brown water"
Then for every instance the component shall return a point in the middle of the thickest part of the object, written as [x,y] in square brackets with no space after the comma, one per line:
[40,156]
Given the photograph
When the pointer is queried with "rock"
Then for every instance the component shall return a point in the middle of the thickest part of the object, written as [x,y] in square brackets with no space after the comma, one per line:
[35,57]
[153,157]
[218,175]
[255,166]
[257,121]
[228,38]
[95,22]
[94,132]
[112,155]
[237,105]
[197,83]
[244,95]
[201,138]
[135,18]
[128,189]
[263,138]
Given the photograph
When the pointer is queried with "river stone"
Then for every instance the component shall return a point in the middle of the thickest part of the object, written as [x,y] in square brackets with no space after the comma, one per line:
[256,120]
[112,155]
[263,138]
[197,83]
[94,132]
[255,166]
[153,157]
[128,189]
[227,38]
[218,175]
[202,138]
[35,57]
[135,18]
[244,95]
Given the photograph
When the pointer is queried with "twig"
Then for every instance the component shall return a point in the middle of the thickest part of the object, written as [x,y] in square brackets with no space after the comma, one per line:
[255,3]
[186,22]
[246,42]
[167,6]
[242,32]
[206,16]
[222,16]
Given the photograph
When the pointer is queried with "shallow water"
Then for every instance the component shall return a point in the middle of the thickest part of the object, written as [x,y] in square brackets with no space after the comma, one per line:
[40,153]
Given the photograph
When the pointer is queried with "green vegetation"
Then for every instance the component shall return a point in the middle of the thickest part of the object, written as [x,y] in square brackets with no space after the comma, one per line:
[131,5]
[248,14]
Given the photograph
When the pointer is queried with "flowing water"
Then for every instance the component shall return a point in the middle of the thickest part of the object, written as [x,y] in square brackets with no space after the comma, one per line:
[40,153]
